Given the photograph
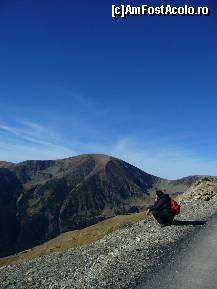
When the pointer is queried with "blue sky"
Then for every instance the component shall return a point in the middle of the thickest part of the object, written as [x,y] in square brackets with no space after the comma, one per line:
[73,81]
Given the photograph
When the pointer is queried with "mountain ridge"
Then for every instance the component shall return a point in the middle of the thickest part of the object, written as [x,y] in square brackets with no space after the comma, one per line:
[46,198]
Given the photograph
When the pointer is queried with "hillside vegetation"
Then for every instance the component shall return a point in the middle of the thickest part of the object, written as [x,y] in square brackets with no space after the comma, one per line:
[76,238]
[43,199]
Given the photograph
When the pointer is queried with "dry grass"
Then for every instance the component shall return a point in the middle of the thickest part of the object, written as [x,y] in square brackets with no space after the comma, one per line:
[76,238]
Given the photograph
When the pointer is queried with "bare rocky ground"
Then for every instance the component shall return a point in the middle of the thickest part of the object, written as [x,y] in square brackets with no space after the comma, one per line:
[120,260]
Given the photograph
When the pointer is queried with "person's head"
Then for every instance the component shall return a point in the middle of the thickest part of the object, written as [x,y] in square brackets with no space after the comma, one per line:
[159,194]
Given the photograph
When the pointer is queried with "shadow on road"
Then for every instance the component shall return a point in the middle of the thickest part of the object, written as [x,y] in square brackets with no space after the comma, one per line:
[188,223]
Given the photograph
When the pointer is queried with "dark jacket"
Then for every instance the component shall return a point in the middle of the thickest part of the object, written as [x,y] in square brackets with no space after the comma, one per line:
[161,210]
[161,204]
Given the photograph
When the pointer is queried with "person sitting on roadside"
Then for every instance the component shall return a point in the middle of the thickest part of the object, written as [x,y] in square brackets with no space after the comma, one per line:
[161,210]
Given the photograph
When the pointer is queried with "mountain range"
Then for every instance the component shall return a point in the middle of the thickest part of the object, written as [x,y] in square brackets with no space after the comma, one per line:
[39,200]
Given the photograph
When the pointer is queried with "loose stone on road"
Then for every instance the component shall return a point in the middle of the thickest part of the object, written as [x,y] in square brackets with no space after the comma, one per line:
[194,267]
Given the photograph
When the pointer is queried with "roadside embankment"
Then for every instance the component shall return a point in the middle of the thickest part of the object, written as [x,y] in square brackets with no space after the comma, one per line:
[119,260]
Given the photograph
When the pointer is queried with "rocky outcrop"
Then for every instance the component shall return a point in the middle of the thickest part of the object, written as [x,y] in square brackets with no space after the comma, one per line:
[204,189]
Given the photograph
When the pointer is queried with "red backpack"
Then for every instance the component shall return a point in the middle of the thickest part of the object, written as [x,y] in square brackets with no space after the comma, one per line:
[175,207]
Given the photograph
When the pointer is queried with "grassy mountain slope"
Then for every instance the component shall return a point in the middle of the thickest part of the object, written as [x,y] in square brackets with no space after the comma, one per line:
[43,199]
[76,238]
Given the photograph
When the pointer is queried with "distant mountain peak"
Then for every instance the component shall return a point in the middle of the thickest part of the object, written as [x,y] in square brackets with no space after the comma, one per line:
[41,199]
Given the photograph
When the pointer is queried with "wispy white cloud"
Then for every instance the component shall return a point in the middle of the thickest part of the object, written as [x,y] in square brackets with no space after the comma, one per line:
[32,125]
[165,161]
[30,140]
[18,152]
[30,131]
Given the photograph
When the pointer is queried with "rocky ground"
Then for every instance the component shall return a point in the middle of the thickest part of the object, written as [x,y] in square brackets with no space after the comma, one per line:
[120,260]
[203,189]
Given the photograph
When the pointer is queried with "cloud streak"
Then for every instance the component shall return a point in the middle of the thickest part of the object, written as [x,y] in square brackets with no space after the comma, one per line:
[30,140]
[165,161]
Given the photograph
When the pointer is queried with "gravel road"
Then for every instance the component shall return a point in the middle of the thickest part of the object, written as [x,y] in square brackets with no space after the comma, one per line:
[194,266]
[121,260]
